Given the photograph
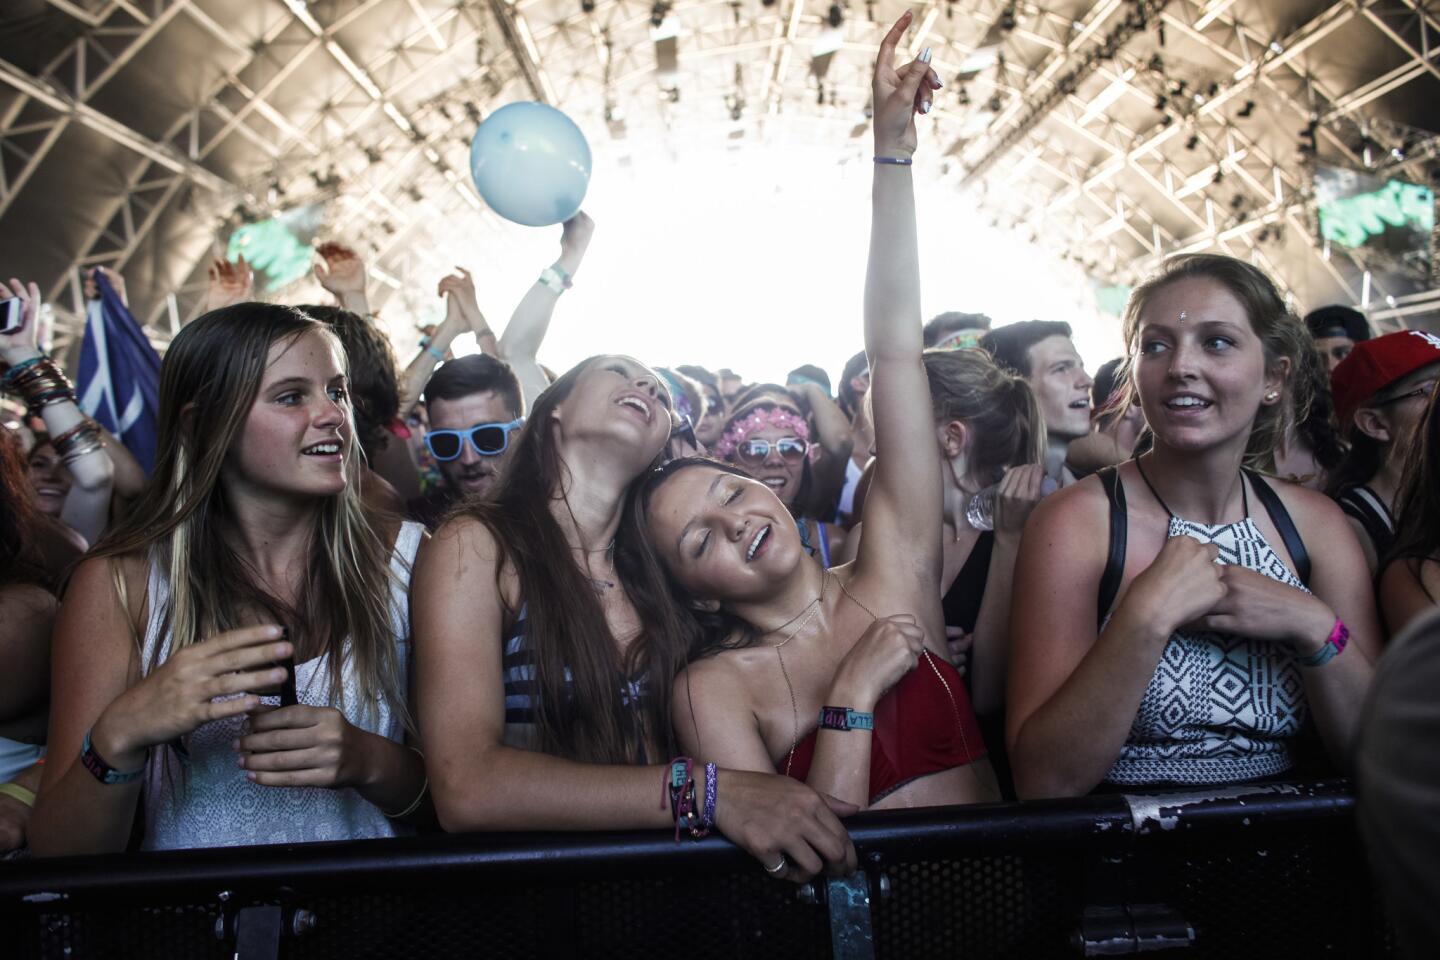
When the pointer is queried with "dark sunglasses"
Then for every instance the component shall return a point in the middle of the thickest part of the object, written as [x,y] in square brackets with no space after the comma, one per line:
[487,439]
[714,405]
[684,430]
[790,448]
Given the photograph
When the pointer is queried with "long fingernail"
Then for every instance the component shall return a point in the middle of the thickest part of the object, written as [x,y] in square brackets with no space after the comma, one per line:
[925,107]
[925,55]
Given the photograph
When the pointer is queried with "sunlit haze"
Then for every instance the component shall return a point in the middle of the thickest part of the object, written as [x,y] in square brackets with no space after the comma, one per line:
[755,261]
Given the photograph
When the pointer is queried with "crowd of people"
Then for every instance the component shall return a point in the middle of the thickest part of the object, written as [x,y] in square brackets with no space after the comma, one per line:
[355,600]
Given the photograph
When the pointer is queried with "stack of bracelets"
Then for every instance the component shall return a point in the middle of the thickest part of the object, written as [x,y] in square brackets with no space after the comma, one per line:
[40,383]
[680,787]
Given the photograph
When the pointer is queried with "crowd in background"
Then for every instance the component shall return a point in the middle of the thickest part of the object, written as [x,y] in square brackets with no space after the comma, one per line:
[341,598]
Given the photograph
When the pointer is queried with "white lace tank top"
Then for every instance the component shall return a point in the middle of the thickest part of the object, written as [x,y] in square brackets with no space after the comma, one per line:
[210,803]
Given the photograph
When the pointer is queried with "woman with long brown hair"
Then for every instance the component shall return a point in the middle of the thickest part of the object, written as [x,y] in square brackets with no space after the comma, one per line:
[175,627]
[1410,578]
[835,677]
[542,688]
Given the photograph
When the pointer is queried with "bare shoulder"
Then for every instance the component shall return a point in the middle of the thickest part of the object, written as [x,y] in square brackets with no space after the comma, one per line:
[1074,514]
[26,604]
[712,684]
[1316,516]
[466,548]
[95,579]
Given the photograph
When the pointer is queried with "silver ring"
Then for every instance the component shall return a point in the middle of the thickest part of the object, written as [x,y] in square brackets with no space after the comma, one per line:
[779,867]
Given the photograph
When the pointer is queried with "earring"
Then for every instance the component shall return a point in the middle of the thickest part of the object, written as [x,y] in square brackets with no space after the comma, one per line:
[1272,396]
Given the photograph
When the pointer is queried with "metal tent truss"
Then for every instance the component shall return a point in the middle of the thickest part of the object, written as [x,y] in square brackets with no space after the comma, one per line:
[1115,132]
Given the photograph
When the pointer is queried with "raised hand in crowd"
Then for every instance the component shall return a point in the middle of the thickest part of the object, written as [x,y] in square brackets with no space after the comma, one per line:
[526,330]
[229,283]
[459,288]
[47,392]
[117,283]
[342,272]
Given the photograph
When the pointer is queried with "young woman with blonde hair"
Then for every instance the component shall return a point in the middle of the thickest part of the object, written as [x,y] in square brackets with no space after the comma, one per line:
[1147,661]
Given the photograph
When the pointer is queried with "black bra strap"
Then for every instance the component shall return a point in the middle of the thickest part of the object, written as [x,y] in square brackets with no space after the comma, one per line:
[1115,558]
[1279,516]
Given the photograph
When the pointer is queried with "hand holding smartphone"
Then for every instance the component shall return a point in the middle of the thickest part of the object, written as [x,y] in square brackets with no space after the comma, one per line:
[12,315]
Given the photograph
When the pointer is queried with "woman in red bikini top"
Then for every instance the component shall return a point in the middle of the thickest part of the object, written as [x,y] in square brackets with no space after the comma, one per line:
[836,677]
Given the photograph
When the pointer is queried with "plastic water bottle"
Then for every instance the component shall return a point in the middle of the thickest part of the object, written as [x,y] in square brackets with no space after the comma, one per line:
[980,511]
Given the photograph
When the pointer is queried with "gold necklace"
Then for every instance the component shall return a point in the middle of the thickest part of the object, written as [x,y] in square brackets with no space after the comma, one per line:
[814,607]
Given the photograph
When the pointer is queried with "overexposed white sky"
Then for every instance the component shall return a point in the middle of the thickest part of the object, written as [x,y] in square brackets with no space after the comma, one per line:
[755,260]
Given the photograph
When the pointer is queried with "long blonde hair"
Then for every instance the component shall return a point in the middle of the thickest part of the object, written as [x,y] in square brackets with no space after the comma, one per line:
[208,382]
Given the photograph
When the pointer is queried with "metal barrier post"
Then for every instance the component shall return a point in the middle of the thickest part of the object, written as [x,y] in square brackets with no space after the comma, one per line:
[851,935]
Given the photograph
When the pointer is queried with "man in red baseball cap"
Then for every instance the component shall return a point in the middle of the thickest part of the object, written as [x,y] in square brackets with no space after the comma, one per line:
[1380,390]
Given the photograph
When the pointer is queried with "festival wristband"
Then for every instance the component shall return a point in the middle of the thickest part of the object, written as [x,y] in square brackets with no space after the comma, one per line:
[101,770]
[895,161]
[1334,644]
[16,792]
[843,718]
[556,279]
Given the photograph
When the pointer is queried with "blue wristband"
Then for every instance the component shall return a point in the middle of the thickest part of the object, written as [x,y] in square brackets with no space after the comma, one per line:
[843,718]
[896,161]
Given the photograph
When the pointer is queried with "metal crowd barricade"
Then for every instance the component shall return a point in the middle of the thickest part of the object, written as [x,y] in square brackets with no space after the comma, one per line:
[1259,873]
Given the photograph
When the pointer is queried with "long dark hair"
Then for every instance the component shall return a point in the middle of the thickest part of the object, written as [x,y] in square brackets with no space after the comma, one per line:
[564,620]
[1417,514]
[689,629]
[19,520]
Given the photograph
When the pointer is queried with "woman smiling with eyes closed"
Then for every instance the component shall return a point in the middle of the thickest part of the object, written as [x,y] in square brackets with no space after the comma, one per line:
[837,677]
[1151,662]
[542,689]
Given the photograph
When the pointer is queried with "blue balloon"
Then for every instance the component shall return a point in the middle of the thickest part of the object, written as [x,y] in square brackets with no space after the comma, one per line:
[531,164]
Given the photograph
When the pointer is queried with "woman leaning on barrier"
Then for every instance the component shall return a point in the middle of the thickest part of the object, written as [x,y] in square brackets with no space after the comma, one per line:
[173,630]
[542,698]
[1149,661]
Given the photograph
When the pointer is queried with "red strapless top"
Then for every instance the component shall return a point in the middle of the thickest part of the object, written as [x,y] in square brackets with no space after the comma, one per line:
[919,729]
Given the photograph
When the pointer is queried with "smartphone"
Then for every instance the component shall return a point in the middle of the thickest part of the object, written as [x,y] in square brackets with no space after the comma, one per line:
[288,696]
[12,315]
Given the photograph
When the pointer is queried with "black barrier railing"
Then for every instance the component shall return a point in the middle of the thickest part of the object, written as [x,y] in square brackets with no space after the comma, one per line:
[1254,872]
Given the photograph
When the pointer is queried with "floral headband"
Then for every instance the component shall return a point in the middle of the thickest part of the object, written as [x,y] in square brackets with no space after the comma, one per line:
[740,430]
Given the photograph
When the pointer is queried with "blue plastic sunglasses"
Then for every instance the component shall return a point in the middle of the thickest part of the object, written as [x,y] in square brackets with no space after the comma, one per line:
[487,439]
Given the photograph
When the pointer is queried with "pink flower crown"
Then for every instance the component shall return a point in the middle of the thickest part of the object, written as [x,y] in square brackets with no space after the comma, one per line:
[740,431]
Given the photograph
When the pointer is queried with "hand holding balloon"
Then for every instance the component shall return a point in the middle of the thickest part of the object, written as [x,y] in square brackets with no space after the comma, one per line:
[531,164]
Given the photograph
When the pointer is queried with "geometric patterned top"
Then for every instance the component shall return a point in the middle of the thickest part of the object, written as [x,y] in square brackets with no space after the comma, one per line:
[1220,708]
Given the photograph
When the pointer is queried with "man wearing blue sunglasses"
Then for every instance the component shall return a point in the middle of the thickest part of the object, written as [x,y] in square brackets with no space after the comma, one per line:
[475,410]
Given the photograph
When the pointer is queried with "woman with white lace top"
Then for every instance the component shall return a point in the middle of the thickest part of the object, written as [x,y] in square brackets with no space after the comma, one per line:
[173,669]
[1197,646]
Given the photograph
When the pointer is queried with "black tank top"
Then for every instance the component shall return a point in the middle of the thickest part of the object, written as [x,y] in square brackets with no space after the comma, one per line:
[962,600]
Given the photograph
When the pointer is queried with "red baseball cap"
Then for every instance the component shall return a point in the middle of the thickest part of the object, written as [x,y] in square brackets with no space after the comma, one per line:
[1375,364]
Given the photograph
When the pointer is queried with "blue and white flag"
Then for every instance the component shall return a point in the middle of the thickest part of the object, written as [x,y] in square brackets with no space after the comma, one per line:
[119,382]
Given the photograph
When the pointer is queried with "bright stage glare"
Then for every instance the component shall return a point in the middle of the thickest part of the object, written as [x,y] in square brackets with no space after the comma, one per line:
[755,261]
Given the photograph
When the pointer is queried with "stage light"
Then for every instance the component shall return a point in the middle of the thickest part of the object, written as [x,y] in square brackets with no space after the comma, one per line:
[658,13]
[587,6]
[1007,18]
[836,16]
[1246,110]
[1193,142]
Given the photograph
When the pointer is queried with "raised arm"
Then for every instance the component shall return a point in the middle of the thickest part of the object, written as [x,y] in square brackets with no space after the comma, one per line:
[47,391]
[229,283]
[520,344]
[342,272]
[480,783]
[904,500]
